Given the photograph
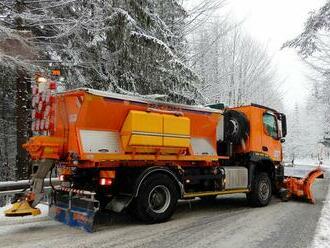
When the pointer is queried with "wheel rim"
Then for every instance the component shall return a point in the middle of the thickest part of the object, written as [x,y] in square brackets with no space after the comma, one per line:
[159,199]
[235,126]
[264,190]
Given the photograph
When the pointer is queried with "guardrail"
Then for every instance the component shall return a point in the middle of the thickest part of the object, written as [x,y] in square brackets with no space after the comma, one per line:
[13,187]
[301,170]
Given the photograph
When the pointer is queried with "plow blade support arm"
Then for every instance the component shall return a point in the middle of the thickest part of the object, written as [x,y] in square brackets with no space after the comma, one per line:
[26,205]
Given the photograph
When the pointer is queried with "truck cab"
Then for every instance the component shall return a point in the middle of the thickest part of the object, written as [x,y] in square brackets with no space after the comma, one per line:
[267,130]
[255,136]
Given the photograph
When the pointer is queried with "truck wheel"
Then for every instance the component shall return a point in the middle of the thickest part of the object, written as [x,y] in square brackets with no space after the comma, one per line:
[261,191]
[236,127]
[157,199]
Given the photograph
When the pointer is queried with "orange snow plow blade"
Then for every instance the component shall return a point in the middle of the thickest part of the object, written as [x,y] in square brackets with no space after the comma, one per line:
[302,187]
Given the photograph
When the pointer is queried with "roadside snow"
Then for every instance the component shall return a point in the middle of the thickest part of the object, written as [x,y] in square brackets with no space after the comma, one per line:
[309,161]
[322,234]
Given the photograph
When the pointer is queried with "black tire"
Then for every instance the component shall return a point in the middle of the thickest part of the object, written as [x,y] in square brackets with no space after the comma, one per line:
[261,191]
[284,194]
[236,127]
[157,199]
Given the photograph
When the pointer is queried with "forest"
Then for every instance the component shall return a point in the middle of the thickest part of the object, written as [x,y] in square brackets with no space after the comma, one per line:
[189,52]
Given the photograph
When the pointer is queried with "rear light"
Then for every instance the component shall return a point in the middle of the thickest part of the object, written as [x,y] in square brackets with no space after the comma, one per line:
[105,181]
[41,80]
[61,178]
[107,174]
[56,72]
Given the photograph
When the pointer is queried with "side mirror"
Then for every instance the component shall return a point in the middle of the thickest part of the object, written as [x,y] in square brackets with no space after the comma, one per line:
[282,140]
[282,117]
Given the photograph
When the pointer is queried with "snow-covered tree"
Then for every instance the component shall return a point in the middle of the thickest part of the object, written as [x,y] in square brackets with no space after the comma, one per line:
[313,45]
[129,47]
[123,46]
[7,125]
[236,69]
[309,41]
[294,145]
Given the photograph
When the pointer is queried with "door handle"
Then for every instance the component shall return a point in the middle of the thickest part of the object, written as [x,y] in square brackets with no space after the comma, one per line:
[265,148]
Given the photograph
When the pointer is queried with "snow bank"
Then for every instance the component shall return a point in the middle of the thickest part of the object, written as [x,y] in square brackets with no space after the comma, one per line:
[309,161]
[322,234]
[301,167]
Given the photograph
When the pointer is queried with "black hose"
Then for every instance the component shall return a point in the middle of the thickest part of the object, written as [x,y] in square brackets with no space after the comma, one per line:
[50,177]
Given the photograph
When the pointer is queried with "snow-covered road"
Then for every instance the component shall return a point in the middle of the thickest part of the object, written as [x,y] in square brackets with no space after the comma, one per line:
[322,234]
[229,222]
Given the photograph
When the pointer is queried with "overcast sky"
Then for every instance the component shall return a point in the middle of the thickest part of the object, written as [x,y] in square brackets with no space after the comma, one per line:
[273,22]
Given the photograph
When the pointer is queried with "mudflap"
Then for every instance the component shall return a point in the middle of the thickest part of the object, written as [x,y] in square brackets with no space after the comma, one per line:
[74,210]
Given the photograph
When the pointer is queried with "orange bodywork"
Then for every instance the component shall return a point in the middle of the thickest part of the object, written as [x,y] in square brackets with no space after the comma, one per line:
[40,147]
[258,140]
[301,187]
[82,117]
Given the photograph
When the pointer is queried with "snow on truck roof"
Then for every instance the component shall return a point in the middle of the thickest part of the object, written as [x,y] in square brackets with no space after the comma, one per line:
[141,99]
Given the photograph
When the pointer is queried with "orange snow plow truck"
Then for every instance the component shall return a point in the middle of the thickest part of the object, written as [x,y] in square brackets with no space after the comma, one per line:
[116,152]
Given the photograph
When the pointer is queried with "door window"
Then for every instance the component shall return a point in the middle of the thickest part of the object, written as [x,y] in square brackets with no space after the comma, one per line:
[270,124]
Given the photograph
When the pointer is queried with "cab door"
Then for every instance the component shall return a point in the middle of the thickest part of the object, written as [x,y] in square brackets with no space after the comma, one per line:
[271,144]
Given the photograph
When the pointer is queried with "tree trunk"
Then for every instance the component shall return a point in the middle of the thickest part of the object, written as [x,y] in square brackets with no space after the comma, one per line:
[23,90]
